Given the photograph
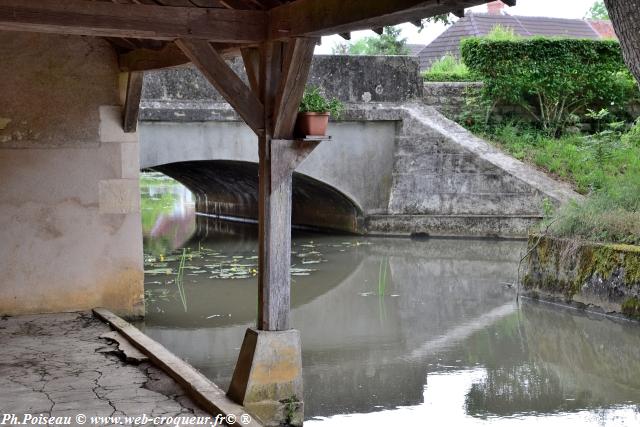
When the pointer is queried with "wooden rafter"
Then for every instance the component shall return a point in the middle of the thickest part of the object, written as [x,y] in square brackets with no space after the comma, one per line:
[214,68]
[132,102]
[239,4]
[296,66]
[251,59]
[149,59]
[170,55]
[325,17]
[96,18]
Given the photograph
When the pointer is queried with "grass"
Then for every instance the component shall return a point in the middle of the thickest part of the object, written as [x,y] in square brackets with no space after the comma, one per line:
[588,163]
[605,167]
[609,215]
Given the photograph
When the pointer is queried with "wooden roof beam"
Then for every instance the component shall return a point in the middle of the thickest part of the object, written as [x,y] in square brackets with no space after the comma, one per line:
[143,59]
[214,68]
[132,102]
[326,17]
[459,13]
[95,18]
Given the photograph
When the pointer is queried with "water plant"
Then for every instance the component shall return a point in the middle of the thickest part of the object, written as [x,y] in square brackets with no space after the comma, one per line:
[382,288]
[382,277]
[180,279]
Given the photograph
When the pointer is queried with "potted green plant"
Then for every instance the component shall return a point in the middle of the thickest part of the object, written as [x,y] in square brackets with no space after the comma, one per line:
[315,110]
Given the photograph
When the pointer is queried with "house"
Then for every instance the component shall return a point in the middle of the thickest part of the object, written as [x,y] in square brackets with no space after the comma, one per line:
[481,24]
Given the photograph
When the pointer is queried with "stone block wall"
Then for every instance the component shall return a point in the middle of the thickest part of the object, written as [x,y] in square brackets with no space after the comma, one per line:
[69,201]
[599,277]
[349,78]
[449,98]
[447,182]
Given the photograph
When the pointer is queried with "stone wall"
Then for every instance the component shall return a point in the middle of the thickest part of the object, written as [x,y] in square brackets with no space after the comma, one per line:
[449,98]
[348,78]
[69,201]
[448,182]
[598,277]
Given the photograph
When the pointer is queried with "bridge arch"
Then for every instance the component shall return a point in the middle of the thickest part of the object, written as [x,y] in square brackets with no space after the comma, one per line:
[229,188]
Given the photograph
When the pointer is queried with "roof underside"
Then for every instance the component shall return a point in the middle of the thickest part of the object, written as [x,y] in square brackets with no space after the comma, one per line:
[152,25]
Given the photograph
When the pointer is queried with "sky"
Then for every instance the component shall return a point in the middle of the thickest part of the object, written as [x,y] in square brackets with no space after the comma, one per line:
[554,8]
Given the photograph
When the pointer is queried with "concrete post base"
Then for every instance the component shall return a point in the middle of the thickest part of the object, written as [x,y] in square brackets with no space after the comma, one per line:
[268,377]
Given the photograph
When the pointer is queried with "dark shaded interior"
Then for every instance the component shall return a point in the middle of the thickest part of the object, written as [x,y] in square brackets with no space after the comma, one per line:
[230,189]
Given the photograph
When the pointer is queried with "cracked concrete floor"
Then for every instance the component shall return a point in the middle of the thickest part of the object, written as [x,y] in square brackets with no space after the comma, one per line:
[57,365]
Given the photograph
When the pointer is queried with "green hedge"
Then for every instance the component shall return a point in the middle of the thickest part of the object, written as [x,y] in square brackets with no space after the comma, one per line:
[553,79]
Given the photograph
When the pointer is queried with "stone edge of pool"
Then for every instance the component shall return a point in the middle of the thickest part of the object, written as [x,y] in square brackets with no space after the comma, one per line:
[205,393]
[596,277]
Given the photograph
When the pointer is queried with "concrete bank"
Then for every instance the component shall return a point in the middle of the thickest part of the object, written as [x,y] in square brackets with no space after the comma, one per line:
[69,364]
[599,277]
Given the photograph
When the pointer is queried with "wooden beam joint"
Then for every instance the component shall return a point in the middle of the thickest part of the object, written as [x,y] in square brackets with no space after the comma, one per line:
[132,102]
[215,69]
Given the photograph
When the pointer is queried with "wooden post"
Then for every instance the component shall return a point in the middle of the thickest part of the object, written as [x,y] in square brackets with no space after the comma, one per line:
[274,209]
[275,239]
[277,72]
[284,69]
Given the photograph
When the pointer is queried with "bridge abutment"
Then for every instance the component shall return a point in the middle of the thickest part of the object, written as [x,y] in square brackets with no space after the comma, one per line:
[69,201]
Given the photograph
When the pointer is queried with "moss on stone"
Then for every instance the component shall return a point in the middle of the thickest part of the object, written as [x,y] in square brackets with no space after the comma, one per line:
[632,268]
[591,259]
[631,308]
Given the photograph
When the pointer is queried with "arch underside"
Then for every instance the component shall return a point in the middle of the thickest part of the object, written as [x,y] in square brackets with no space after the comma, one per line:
[230,189]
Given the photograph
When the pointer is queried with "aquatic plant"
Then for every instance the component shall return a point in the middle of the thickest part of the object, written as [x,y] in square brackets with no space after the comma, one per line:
[180,279]
[382,277]
[382,287]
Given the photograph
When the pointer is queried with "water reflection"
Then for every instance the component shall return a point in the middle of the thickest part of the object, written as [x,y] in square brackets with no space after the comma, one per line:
[168,213]
[404,332]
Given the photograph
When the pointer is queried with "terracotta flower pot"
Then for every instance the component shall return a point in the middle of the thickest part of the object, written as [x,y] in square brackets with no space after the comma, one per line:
[312,124]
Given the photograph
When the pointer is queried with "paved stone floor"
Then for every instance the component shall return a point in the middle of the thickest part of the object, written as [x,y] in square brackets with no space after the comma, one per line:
[58,365]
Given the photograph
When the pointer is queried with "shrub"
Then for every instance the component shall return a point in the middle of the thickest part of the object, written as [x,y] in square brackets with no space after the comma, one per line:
[313,101]
[552,79]
[448,69]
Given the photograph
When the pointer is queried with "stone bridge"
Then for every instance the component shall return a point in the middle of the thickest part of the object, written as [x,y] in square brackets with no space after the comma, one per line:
[394,165]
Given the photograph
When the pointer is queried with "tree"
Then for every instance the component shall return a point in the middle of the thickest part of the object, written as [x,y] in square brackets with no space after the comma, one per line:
[446,19]
[341,48]
[388,43]
[625,17]
[598,11]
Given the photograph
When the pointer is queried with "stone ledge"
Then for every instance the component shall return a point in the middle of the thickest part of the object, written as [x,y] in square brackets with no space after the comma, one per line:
[198,387]
[598,277]
[508,227]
